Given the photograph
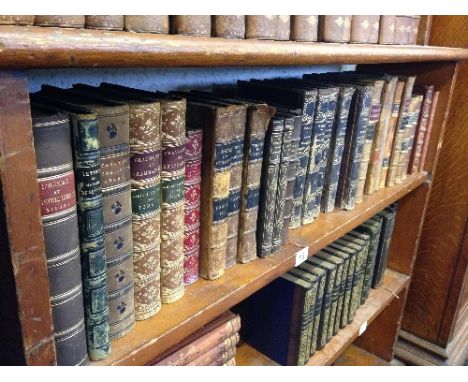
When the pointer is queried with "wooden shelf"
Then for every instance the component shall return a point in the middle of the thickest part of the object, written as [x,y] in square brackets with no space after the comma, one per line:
[377,301]
[356,356]
[39,47]
[206,300]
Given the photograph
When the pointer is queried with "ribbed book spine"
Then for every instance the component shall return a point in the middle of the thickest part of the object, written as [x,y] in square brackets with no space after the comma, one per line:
[269,184]
[192,25]
[228,26]
[193,158]
[337,140]
[427,135]
[335,28]
[172,198]
[261,27]
[145,171]
[56,183]
[257,124]
[304,28]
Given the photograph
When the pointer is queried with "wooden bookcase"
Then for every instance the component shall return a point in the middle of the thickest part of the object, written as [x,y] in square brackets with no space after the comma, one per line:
[23,260]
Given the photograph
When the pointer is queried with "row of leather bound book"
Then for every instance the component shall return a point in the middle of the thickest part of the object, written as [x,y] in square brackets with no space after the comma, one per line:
[143,192]
[298,313]
[372,29]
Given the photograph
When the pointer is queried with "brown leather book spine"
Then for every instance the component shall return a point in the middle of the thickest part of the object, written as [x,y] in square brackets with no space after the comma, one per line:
[228,26]
[304,28]
[335,28]
[283,28]
[387,29]
[401,30]
[261,27]
[414,23]
[60,21]
[113,23]
[231,362]
[147,24]
[201,341]
[16,20]
[218,354]
[427,135]
[199,25]
[364,29]
[224,357]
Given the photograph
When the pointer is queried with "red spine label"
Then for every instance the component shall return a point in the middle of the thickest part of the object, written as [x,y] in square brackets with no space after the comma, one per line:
[57,193]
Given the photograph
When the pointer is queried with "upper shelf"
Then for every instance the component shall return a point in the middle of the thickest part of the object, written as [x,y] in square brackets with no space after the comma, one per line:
[40,47]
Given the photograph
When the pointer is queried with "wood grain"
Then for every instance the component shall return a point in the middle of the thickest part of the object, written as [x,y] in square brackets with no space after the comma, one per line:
[23,221]
[356,356]
[246,355]
[35,47]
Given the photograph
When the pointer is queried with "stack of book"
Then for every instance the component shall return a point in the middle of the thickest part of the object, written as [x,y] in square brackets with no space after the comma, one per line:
[212,345]
[373,29]
[297,314]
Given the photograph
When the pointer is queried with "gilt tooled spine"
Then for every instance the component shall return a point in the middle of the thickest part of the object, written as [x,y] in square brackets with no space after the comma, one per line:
[16,20]
[365,29]
[238,118]
[387,29]
[145,171]
[354,144]
[304,28]
[70,21]
[317,313]
[337,140]
[261,27]
[306,325]
[388,216]
[193,157]
[194,25]
[147,24]
[269,184]
[228,26]
[56,183]
[257,124]
[374,116]
[172,199]
[335,28]
[112,22]
[427,135]
[308,113]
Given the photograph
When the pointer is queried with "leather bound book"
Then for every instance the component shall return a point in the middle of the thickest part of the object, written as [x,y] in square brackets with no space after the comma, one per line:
[338,291]
[195,25]
[390,135]
[192,187]
[304,28]
[70,21]
[219,354]
[147,24]
[387,29]
[335,28]
[364,237]
[145,172]
[284,301]
[421,127]
[231,362]
[226,358]
[414,24]
[113,23]
[427,135]
[401,25]
[56,181]
[400,127]
[87,165]
[283,28]
[113,127]
[223,329]
[365,29]
[228,26]
[388,221]
[16,20]
[261,27]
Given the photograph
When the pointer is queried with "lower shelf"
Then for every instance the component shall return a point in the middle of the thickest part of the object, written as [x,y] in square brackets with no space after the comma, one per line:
[378,300]
[356,356]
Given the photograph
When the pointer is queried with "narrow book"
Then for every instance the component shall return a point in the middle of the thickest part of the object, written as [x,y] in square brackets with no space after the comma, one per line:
[283,28]
[427,135]
[262,27]
[194,25]
[335,28]
[228,26]
[365,29]
[147,24]
[304,28]
[387,29]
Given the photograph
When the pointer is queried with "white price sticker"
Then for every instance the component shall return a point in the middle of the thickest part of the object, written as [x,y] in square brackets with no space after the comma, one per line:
[363,328]
[302,255]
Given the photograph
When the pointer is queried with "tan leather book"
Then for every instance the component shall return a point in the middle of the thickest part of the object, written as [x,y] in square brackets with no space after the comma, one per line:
[114,23]
[218,354]
[147,24]
[304,28]
[228,26]
[231,362]
[199,25]
[283,28]
[60,21]
[427,135]
[387,29]
[335,28]
[414,24]
[17,20]
[401,30]
[365,29]
[261,27]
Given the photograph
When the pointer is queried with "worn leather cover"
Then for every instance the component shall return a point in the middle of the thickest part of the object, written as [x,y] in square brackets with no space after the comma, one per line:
[283,27]
[147,24]
[304,28]
[195,25]
[387,29]
[16,20]
[364,239]
[262,27]
[427,135]
[365,29]
[335,28]
[402,29]
[414,24]
[228,26]
[218,354]
[400,127]
[90,218]
[70,21]
[56,181]
[115,23]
